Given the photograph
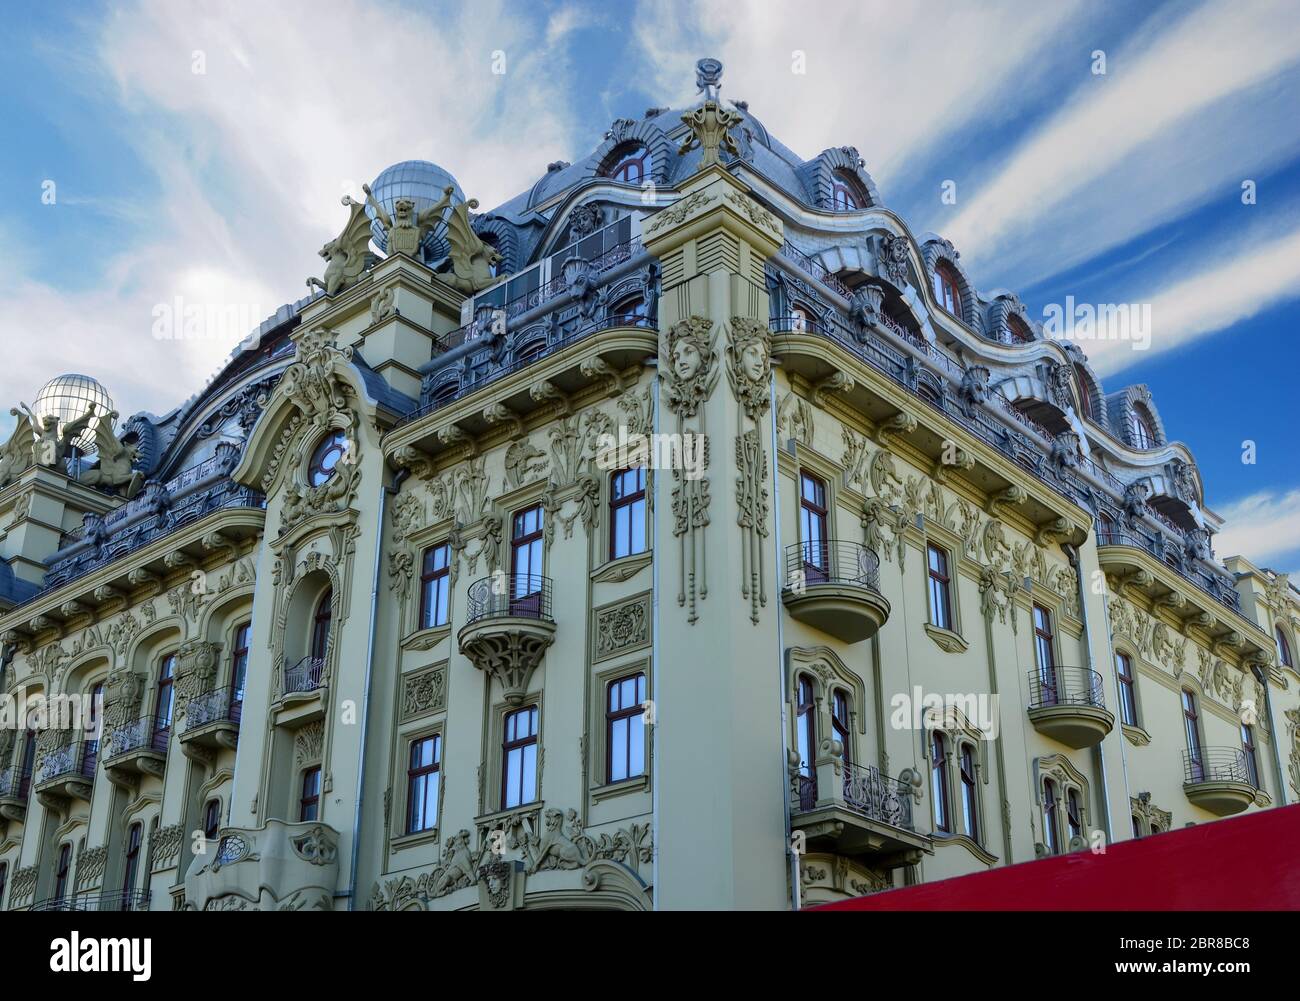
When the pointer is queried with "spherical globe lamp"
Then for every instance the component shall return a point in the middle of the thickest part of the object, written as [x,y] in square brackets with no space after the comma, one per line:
[68,397]
[422,182]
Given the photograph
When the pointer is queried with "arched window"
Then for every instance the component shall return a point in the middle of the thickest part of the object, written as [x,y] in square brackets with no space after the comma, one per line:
[212,819]
[969,800]
[631,166]
[329,453]
[1019,330]
[1074,813]
[631,312]
[800,319]
[1144,433]
[131,870]
[1051,830]
[531,351]
[320,632]
[939,781]
[840,722]
[844,197]
[1283,648]
[63,871]
[805,725]
[946,290]
[444,394]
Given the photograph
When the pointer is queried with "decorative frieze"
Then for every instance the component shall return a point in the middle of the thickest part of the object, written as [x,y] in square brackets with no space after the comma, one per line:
[424,692]
[622,628]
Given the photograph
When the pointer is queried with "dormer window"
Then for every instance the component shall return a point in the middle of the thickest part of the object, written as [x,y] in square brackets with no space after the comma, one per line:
[945,289]
[1144,434]
[843,196]
[631,166]
[1081,390]
[1019,330]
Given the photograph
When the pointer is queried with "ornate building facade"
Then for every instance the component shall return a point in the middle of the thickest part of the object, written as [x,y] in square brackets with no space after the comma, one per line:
[685,532]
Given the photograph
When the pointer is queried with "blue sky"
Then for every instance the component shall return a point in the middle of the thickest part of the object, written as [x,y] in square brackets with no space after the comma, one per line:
[202,156]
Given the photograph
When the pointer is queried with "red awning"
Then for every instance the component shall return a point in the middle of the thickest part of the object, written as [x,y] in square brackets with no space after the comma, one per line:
[1246,863]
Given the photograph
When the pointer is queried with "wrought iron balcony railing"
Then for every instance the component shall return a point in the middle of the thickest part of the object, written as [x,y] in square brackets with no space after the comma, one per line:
[866,791]
[304,676]
[149,733]
[78,758]
[1221,589]
[15,783]
[1216,764]
[219,705]
[1065,686]
[120,900]
[518,595]
[825,562]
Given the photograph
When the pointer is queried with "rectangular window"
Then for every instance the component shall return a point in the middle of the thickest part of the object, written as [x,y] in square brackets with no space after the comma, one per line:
[940,588]
[812,528]
[627,513]
[1127,694]
[526,551]
[519,759]
[625,729]
[1051,833]
[422,776]
[309,804]
[239,669]
[805,725]
[163,701]
[1074,813]
[939,781]
[1192,732]
[840,723]
[435,586]
[1045,657]
[1248,749]
[969,803]
[132,867]
[212,819]
[61,875]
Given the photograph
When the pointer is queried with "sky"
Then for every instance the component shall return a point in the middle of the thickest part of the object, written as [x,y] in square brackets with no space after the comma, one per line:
[174,154]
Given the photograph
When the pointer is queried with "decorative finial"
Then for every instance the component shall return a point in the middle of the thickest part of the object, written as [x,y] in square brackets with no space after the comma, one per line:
[708,78]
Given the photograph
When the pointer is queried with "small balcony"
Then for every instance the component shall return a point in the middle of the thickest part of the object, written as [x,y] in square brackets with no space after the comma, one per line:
[68,773]
[1218,779]
[15,789]
[1067,704]
[212,721]
[856,811]
[835,587]
[128,900]
[509,628]
[304,677]
[137,749]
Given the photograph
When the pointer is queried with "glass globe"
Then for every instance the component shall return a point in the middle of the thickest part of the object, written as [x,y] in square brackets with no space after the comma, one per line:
[68,397]
[422,182]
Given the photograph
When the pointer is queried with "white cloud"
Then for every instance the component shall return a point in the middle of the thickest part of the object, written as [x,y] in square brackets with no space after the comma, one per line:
[1261,527]
[297,105]
[1153,84]
[1210,300]
[890,78]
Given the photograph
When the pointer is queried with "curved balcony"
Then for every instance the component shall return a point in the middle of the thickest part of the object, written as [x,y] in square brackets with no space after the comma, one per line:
[278,866]
[68,772]
[835,587]
[1067,704]
[137,749]
[212,720]
[15,789]
[857,811]
[508,629]
[1218,779]
[119,900]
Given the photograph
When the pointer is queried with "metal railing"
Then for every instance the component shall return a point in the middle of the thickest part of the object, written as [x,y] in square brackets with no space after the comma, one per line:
[510,595]
[1219,588]
[119,900]
[149,733]
[15,783]
[304,676]
[220,704]
[867,791]
[808,563]
[78,758]
[809,266]
[1065,686]
[1216,764]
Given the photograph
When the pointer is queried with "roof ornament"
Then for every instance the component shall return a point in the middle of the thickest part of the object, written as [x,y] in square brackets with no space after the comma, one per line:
[406,228]
[348,254]
[710,123]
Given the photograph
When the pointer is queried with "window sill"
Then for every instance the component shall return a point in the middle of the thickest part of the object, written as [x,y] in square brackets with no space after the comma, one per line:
[947,640]
[639,784]
[623,568]
[426,639]
[1136,735]
[413,840]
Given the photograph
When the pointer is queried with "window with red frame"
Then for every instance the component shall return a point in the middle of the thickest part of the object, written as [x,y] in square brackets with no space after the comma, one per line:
[309,801]
[946,289]
[939,781]
[625,729]
[435,586]
[423,774]
[627,512]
